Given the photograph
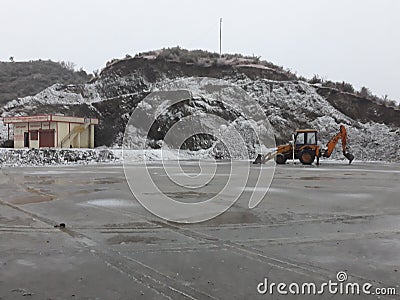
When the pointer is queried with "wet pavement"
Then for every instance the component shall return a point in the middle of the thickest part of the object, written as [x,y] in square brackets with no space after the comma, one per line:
[313,223]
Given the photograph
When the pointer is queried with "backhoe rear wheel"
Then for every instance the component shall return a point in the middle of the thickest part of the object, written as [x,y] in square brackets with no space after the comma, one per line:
[307,157]
[280,159]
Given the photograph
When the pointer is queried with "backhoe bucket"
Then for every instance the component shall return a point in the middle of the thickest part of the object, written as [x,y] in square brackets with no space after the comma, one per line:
[349,156]
[259,159]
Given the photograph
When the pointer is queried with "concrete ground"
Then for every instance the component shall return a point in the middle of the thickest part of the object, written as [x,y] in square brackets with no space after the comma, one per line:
[313,223]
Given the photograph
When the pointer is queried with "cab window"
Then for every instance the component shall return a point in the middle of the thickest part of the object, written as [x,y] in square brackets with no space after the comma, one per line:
[311,140]
[300,138]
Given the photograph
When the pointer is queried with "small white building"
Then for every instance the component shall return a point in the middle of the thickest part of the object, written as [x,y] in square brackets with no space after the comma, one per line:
[51,131]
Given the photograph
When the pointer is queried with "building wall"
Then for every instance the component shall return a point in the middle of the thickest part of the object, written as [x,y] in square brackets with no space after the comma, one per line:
[84,139]
[75,141]
[33,131]
[91,136]
[33,143]
[81,140]
[63,130]
[46,125]
[19,130]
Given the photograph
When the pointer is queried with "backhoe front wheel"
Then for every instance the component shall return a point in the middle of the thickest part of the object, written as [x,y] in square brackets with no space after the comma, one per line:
[307,157]
[280,159]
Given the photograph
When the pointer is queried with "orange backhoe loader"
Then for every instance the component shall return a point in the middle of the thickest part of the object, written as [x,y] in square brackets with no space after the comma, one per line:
[305,148]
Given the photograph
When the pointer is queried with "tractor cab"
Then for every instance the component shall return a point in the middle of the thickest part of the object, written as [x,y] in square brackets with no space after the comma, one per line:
[305,137]
[303,147]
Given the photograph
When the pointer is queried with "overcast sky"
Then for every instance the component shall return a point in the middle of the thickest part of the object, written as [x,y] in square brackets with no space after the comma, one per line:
[357,41]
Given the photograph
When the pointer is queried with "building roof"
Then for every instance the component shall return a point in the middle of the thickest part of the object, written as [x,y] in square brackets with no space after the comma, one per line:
[49,118]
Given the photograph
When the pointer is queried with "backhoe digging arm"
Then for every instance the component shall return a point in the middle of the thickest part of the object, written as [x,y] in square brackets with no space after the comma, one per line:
[342,134]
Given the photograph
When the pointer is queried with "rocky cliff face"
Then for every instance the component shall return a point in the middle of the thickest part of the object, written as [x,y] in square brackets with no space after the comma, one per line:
[374,130]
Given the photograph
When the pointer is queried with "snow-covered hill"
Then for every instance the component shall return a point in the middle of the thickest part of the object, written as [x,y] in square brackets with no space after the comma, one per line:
[287,104]
[292,105]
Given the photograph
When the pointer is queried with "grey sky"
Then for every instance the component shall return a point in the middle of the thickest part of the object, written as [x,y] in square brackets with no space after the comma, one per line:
[357,41]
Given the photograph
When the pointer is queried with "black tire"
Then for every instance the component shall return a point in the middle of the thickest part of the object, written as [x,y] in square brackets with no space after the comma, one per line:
[307,157]
[280,159]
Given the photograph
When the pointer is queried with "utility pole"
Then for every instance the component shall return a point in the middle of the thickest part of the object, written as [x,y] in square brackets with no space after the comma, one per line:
[220,37]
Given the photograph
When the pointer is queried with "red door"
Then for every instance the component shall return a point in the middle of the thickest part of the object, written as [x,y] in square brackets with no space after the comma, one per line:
[46,138]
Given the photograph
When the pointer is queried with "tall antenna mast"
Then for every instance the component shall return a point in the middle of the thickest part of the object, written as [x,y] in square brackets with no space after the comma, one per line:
[220,37]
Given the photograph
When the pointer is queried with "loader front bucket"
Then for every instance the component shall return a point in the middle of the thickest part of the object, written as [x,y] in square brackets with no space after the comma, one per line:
[258,159]
[349,156]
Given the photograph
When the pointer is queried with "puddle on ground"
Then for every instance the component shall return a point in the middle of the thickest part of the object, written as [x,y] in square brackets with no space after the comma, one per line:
[131,225]
[44,180]
[69,194]
[125,239]
[67,172]
[355,195]
[109,180]
[85,192]
[110,202]
[189,194]
[51,180]
[194,175]
[264,189]
[348,219]
[316,178]
[234,217]
[15,221]
[255,189]
[24,262]
[38,198]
